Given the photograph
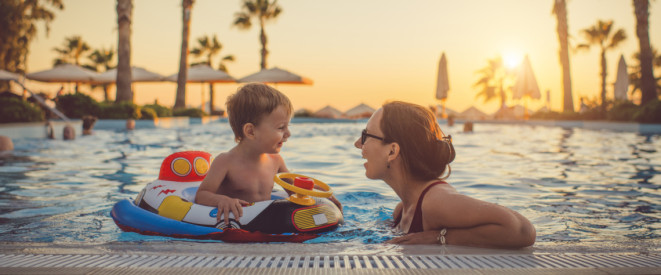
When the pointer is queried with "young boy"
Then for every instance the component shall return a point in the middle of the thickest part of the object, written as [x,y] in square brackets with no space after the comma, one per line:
[259,116]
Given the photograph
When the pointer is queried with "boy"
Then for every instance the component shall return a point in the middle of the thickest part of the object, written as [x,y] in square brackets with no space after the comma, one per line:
[259,116]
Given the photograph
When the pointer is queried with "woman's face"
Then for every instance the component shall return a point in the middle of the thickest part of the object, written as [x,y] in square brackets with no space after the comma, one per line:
[374,150]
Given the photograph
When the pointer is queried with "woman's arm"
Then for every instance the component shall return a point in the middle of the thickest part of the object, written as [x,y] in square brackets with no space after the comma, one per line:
[471,222]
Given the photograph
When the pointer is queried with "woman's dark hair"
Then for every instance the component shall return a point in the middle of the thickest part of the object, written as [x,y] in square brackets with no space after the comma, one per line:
[425,150]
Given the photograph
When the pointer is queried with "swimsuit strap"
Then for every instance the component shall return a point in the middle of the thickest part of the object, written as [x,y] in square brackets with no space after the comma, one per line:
[416,223]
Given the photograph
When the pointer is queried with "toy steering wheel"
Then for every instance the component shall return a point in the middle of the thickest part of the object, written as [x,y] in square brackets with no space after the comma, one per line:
[325,193]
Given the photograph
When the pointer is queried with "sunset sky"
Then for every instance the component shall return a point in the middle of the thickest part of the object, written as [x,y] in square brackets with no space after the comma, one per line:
[356,52]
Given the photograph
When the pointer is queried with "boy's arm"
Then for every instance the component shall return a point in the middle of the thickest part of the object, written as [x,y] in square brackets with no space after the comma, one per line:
[282,168]
[206,193]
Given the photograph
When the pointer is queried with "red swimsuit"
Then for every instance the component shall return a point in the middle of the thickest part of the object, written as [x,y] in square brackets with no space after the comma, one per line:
[416,223]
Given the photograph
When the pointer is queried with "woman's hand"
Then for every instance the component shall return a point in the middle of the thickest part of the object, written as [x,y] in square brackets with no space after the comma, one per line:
[427,237]
[227,205]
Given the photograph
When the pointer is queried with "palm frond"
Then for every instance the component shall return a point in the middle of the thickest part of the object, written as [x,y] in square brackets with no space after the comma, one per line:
[617,38]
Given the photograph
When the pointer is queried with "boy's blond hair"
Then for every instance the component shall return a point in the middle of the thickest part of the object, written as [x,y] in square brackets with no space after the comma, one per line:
[251,103]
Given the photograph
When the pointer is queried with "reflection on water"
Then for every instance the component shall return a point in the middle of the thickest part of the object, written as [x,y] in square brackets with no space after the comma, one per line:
[578,187]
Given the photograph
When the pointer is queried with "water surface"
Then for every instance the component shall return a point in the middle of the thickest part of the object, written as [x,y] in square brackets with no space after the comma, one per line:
[597,190]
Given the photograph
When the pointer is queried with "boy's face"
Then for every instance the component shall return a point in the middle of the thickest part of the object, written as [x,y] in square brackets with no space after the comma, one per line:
[273,130]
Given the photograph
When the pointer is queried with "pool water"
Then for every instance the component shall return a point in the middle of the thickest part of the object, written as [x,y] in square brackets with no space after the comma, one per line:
[580,188]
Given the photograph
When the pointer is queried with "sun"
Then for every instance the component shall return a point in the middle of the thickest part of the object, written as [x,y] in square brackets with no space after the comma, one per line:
[512,59]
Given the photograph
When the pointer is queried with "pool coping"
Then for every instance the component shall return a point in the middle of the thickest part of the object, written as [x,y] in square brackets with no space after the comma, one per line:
[235,260]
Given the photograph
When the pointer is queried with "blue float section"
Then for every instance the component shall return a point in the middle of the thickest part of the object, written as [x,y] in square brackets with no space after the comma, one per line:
[128,214]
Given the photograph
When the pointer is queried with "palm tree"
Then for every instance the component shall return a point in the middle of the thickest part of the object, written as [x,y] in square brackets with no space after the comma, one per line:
[124,78]
[635,75]
[560,11]
[600,35]
[209,48]
[263,10]
[18,25]
[493,81]
[73,48]
[647,82]
[102,58]
[180,100]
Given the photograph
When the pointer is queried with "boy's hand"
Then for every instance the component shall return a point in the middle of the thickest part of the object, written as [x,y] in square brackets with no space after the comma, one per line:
[227,205]
[336,202]
[331,198]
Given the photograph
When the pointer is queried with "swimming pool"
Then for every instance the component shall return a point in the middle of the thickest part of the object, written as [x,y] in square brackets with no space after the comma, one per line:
[586,189]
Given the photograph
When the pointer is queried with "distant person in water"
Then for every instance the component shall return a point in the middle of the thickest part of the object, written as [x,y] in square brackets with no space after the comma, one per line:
[450,120]
[88,124]
[68,133]
[6,144]
[405,147]
[50,133]
[130,124]
[468,127]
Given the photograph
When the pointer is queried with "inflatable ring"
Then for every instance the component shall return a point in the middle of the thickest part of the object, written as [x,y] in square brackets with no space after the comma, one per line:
[326,193]
[166,207]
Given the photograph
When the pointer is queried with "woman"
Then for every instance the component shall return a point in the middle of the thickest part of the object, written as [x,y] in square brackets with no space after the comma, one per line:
[404,147]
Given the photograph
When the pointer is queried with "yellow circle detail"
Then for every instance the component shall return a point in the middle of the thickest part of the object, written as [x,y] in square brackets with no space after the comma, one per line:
[181,167]
[201,166]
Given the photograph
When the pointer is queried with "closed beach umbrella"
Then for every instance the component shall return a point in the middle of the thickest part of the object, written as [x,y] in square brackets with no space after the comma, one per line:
[328,112]
[442,81]
[276,75]
[526,83]
[6,76]
[137,75]
[64,73]
[622,80]
[442,84]
[360,111]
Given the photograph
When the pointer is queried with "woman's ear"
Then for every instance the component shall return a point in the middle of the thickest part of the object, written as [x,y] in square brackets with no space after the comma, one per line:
[394,151]
[249,130]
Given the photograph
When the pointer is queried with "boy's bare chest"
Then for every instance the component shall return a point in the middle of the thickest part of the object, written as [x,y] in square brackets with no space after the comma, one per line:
[250,183]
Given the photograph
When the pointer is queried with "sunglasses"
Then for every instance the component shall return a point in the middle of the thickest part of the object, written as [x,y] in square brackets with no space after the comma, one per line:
[364,135]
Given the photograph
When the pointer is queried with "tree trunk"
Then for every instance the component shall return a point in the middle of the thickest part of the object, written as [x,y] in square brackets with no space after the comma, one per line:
[603,80]
[124,78]
[262,38]
[647,82]
[106,93]
[562,29]
[211,97]
[180,100]
[503,97]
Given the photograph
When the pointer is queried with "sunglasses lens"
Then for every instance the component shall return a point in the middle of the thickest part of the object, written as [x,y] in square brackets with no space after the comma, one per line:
[363,137]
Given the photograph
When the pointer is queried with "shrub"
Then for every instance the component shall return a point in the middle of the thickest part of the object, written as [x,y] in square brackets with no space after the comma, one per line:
[190,112]
[123,110]
[148,113]
[303,113]
[161,111]
[622,111]
[650,113]
[17,110]
[77,105]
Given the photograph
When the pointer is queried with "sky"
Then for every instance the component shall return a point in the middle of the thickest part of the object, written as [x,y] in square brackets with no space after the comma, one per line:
[357,52]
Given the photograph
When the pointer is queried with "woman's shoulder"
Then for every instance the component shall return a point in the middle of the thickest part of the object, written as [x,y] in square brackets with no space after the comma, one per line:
[439,197]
